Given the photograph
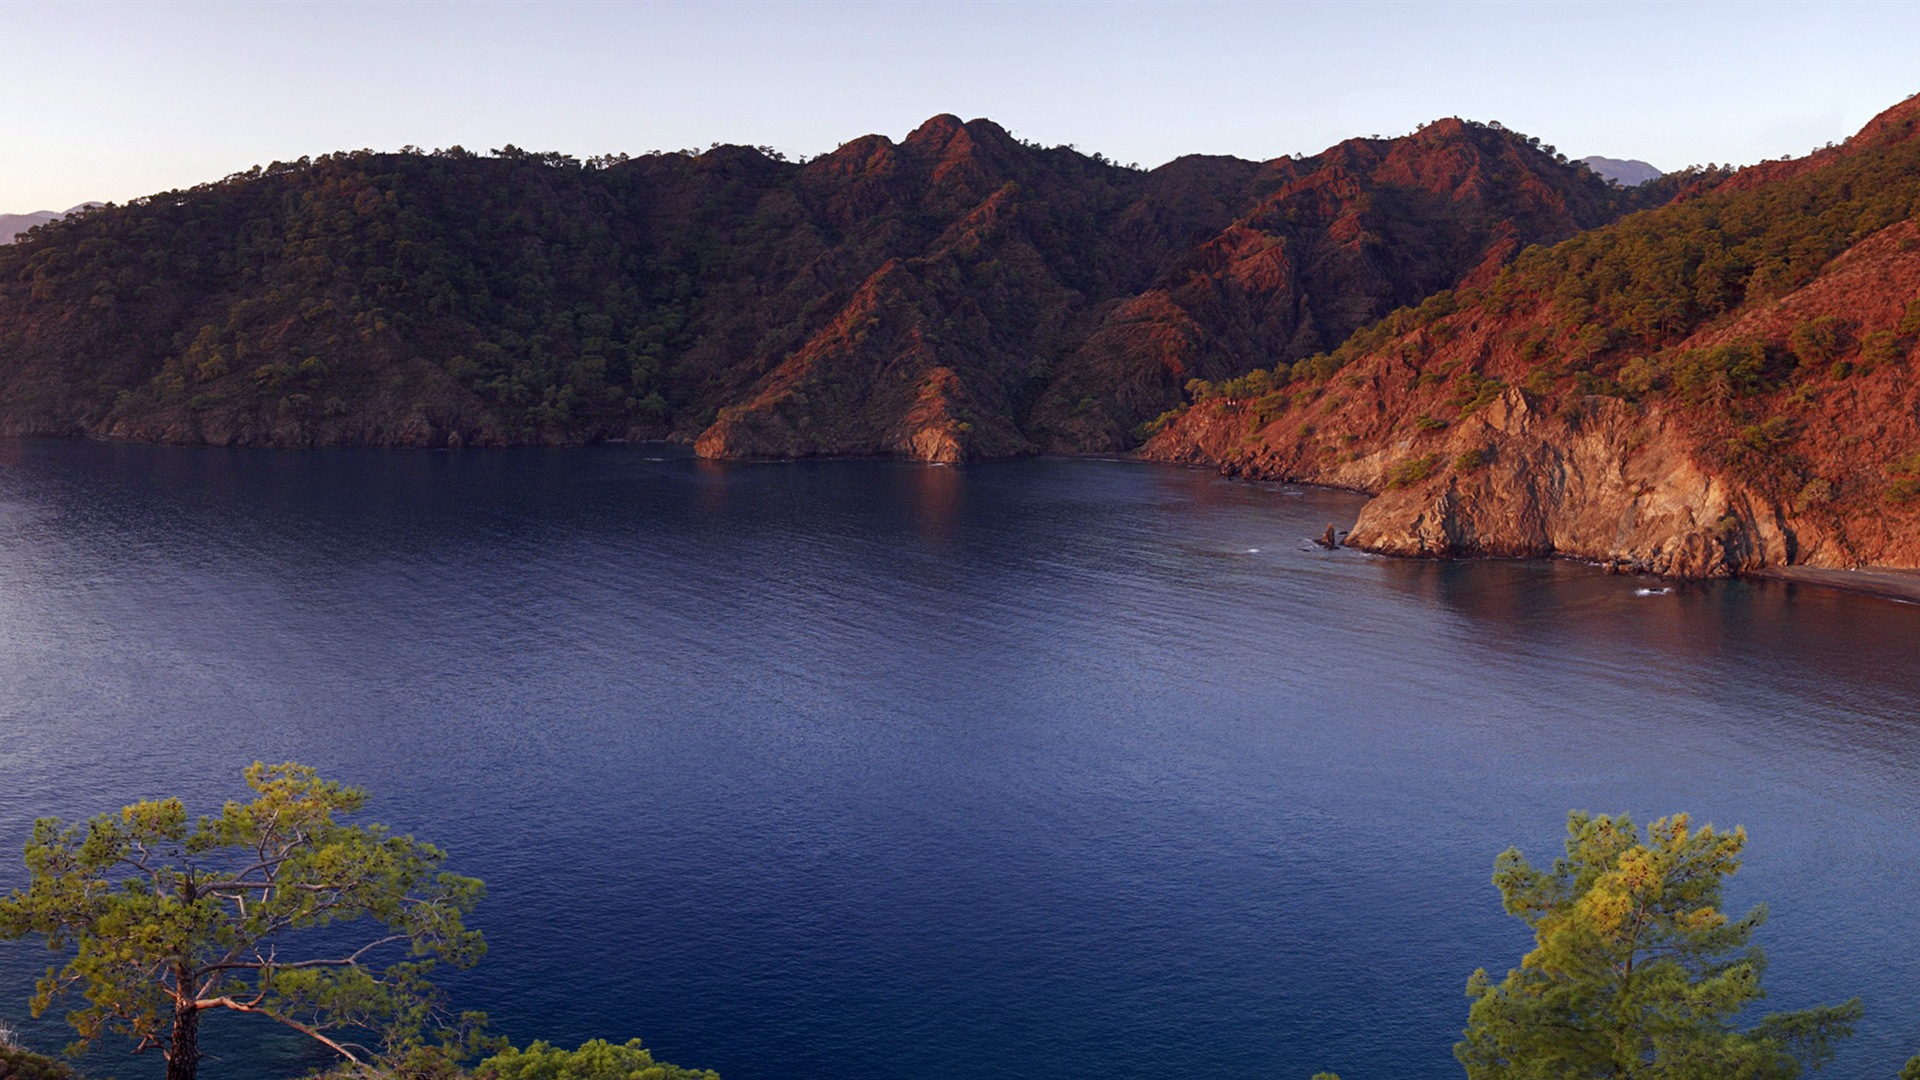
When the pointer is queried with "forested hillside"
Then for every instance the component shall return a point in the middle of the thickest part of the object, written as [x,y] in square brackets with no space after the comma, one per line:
[1721,384]
[958,294]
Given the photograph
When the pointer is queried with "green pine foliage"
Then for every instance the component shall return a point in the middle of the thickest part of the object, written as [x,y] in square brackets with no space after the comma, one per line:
[1904,483]
[596,1060]
[1413,471]
[1636,971]
[1471,461]
[274,909]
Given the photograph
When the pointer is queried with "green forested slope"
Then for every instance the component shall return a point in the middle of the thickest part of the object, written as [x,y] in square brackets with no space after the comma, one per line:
[957,294]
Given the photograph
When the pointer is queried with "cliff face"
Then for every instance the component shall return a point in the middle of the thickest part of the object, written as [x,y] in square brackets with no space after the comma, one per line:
[957,294]
[1607,482]
[1780,428]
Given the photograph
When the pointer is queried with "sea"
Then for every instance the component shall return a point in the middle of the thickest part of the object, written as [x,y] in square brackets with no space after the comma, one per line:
[874,770]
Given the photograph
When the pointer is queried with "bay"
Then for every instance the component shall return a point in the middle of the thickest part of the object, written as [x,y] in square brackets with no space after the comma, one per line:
[1053,768]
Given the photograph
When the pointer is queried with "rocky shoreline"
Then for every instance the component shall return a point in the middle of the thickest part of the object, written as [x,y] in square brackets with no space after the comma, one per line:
[1885,582]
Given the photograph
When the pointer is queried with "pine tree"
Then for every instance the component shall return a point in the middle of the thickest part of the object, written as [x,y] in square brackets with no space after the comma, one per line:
[1636,972]
[273,908]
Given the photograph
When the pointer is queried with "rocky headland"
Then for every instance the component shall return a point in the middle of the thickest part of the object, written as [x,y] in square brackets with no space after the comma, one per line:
[1720,386]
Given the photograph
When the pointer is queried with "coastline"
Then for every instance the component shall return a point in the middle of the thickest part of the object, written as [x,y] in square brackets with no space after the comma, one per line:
[1898,584]
[1886,582]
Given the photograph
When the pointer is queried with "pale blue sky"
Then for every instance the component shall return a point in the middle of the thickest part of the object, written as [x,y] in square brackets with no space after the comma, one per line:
[114,101]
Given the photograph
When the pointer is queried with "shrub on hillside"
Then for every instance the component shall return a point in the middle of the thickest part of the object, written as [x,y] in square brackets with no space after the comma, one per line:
[1905,485]
[18,1064]
[1734,370]
[1475,391]
[1412,471]
[1910,320]
[1879,348]
[1472,460]
[1820,341]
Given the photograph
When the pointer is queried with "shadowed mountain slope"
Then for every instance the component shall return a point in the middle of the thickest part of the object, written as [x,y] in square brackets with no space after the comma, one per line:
[957,294]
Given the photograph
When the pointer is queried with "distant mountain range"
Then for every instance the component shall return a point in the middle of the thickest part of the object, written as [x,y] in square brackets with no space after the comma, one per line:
[12,225]
[959,294]
[1630,172]
[1725,384]
[1493,340]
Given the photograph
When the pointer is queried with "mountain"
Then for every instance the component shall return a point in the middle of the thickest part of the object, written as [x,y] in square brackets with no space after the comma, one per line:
[12,225]
[1629,172]
[1721,385]
[958,294]
[1321,247]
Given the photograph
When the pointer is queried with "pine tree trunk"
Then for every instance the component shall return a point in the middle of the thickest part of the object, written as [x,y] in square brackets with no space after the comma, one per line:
[183,1053]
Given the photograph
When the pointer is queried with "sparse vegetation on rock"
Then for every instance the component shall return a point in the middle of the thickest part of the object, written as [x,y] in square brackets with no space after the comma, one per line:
[1742,355]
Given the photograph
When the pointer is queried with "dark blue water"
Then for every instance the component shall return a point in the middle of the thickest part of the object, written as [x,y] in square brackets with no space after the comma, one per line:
[860,770]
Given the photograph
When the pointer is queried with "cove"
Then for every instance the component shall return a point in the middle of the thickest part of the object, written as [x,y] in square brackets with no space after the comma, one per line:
[1055,768]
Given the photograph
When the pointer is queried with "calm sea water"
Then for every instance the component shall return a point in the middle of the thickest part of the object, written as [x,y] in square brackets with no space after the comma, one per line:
[1051,769]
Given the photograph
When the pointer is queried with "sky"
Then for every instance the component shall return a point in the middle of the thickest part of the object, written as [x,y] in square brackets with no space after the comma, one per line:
[111,101]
